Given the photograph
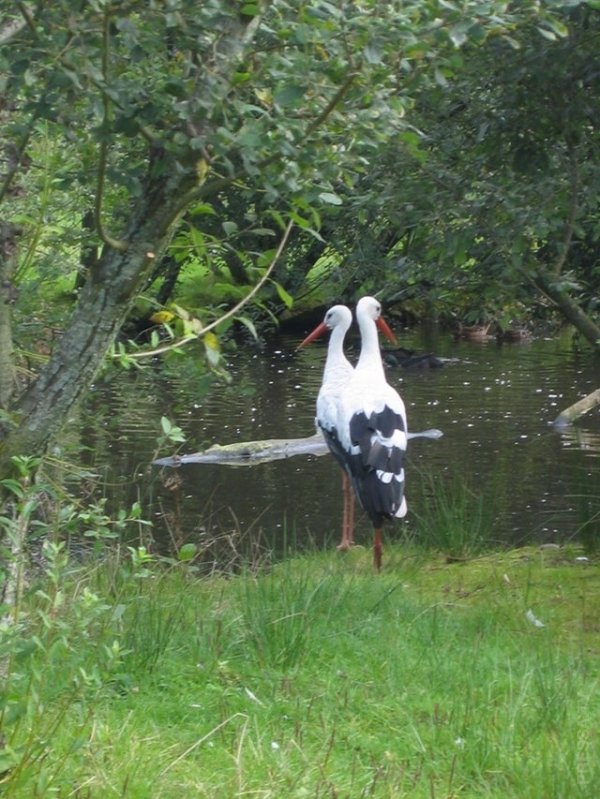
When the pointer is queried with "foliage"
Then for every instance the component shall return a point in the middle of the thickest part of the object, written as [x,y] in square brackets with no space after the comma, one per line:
[496,179]
[51,623]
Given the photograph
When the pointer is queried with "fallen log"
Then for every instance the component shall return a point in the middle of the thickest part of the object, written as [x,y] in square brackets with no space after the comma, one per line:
[573,412]
[249,453]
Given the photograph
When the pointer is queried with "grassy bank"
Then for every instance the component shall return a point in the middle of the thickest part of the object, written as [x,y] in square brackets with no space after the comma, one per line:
[316,678]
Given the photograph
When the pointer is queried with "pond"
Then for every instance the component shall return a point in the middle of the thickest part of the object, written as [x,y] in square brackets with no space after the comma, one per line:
[494,403]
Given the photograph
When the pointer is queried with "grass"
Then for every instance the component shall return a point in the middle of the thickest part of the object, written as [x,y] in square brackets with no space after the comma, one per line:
[454,518]
[316,678]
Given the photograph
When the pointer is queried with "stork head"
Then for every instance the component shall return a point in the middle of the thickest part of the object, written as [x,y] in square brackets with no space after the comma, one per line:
[370,308]
[336,316]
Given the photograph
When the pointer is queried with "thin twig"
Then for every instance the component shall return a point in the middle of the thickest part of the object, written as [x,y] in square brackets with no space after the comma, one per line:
[231,312]
[344,88]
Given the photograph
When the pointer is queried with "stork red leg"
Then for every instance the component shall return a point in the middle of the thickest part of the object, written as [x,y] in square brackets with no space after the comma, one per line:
[351,506]
[348,517]
[377,548]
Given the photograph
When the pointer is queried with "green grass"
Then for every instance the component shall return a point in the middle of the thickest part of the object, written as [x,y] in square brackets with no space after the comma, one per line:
[316,678]
[455,519]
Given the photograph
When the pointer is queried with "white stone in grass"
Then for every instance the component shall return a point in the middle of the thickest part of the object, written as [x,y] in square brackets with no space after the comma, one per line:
[536,622]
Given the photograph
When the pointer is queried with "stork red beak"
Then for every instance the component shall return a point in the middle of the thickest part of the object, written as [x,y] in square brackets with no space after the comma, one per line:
[383,326]
[319,331]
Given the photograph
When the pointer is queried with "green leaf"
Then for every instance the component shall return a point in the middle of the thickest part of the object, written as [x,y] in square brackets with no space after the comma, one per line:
[329,197]
[372,54]
[458,36]
[251,9]
[290,95]
[202,208]
[300,220]
[211,349]
[265,258]
[440,78]
[230,228]
[286,298]
[186,552]
[249,324]
[14,486]
[166,425]
[550,35]
[559,28]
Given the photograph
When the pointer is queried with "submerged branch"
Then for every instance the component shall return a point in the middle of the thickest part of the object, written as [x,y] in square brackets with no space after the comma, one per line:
[573,412]
[249,453]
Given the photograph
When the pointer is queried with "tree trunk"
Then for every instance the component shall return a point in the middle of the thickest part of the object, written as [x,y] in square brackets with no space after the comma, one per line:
[568,307]
[103,304]
[88,257]
[8,235]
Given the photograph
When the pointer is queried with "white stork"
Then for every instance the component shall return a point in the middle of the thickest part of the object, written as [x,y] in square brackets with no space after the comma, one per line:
[337,372]
[371,429]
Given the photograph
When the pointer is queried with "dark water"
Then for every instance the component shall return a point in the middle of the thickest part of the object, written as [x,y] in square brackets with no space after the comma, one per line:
[495,407]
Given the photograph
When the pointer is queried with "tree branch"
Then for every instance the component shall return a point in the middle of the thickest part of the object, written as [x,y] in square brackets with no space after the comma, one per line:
[26,10]
[339,95]
[11,28]
[232,311]
[570,224]
[18,155]
[571,310]
[116,244]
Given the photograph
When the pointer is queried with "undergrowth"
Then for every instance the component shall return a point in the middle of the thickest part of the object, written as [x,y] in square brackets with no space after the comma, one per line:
[126,674]
[314,678]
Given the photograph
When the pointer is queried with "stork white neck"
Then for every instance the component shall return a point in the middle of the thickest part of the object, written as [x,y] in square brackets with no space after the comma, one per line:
[370,354]
[335,351]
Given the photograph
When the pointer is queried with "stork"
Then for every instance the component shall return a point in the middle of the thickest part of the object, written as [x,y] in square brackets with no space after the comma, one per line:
[337,372]
[371,429]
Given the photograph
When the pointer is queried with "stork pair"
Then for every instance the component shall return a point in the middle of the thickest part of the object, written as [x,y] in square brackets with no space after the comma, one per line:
[363,421]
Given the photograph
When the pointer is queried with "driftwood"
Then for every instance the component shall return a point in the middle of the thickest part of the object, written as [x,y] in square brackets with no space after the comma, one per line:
[573,412]
[248,453]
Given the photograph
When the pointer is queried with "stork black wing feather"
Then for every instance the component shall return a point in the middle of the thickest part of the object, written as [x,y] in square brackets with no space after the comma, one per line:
[375,469]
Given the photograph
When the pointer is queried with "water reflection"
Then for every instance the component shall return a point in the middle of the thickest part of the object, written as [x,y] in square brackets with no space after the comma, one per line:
[588,441]
[495,406]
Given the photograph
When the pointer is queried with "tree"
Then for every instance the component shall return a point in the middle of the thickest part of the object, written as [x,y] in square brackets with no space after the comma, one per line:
[159,108]
[492,198]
